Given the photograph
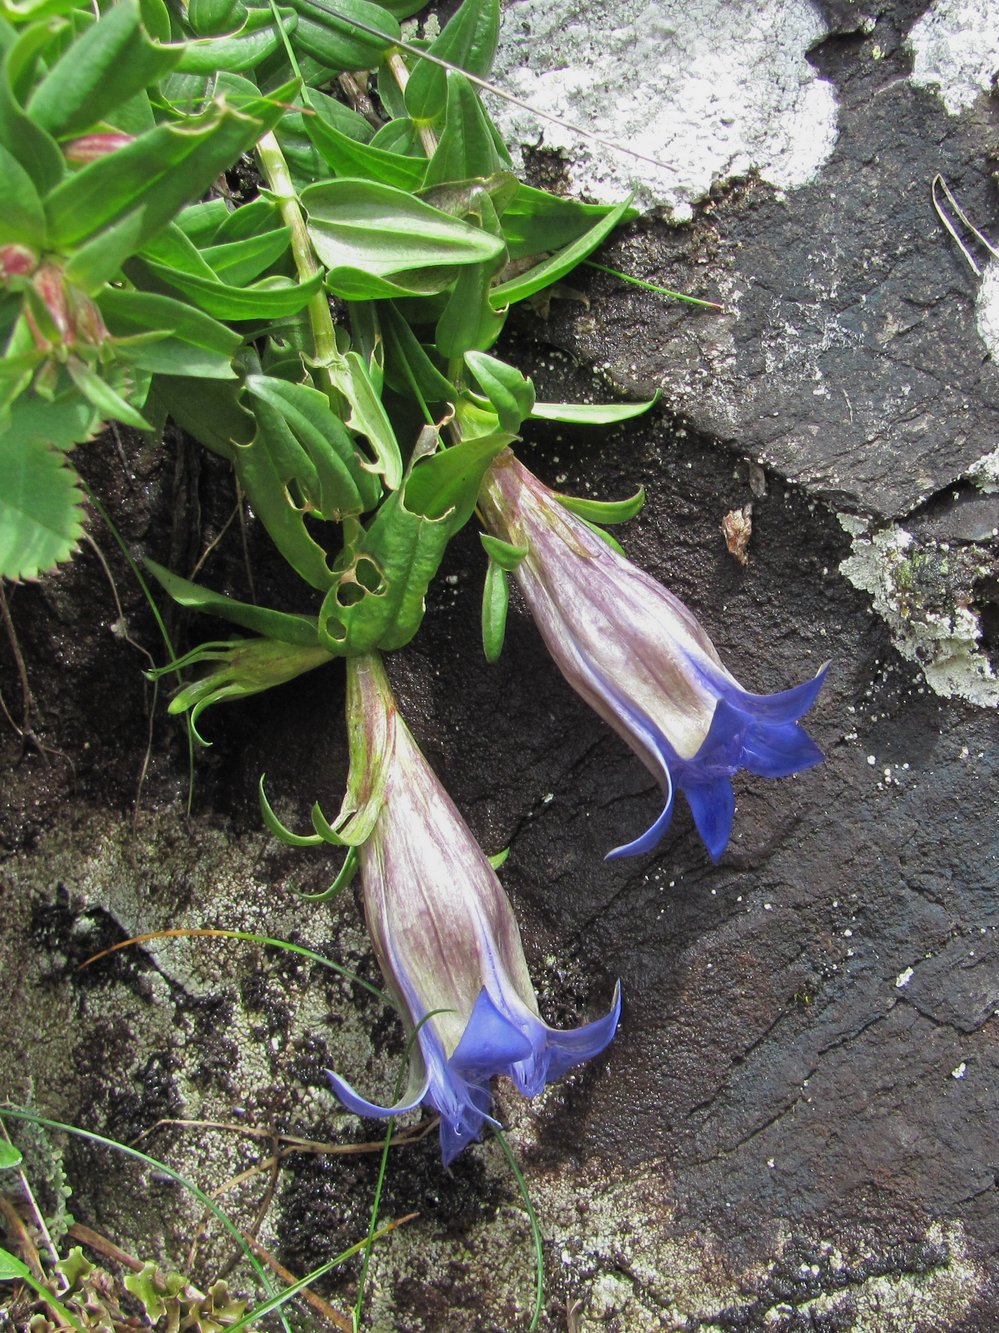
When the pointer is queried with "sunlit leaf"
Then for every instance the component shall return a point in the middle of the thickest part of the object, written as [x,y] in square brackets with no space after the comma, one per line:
[362,227]
[558,264]
[41,507]
[591,414]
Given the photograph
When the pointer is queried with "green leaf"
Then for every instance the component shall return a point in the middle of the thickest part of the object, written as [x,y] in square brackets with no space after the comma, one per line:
[299,630]
[535,221]
[290,470]
[336,41]
[369,418]
[61,422]
[200,222]
[400,137]
[495,601]
[108,402]
[111,62]
[259,218]
[209,410]
[403,9]
[502,553]
[239,262]
[244,49]
[343,483]
[362,227]
[468,41]
[604,511]
[36,150]
[195,344]
[509,391]
[447,484]
[604,536]
[407,362]
[556,266]
[345,156]
[113,206]
[378,599]
[41,507]
[279,830]
[12,1269]
[591,414]
[468,321]
[468,145]
[23,216]
[272,298]
[9,1155]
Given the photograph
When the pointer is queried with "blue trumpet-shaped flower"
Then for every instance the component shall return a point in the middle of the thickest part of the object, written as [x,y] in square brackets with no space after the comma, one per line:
[638,656]
[445,936]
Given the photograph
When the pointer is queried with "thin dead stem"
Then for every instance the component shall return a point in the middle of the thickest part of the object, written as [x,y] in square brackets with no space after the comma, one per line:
[940,187]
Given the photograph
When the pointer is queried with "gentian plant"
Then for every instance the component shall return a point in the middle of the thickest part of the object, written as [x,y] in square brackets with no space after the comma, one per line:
[328,330]
[445,935]
[638,656]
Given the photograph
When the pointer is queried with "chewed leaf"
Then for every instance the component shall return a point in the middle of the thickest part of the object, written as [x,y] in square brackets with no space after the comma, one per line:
[41,508]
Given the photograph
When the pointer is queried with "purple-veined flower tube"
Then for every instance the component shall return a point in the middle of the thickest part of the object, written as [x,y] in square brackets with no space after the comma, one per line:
[639,657]
[444,934]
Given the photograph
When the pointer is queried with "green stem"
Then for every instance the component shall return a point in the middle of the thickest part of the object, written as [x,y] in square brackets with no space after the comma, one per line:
[275,169]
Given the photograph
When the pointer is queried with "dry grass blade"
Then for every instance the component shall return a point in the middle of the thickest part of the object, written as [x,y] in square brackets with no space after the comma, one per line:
[940,187]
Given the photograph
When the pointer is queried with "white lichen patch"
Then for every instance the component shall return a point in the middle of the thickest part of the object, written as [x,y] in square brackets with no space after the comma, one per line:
[886,1303]
[224,1024]
[909,584]
[984,473]
[708,92]
[955,50]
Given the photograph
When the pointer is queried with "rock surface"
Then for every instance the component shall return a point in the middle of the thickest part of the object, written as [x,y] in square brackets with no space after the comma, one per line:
[796,1126]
